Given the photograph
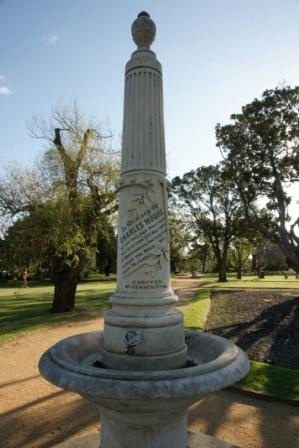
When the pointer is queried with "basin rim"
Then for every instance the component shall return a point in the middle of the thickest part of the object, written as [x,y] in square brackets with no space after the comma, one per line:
[134,385]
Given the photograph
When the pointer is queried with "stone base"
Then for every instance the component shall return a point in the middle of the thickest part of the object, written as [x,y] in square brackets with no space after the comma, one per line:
[160,339]
[144,409]
[195,440]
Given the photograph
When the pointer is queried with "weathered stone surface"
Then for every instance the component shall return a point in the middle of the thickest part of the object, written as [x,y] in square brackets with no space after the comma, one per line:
[143,373]
[144,301]
[194,441]
[143,408]
[143,30]
[208,355]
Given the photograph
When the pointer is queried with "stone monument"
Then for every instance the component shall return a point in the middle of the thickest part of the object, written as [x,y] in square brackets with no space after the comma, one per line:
[143,372]
[143,330]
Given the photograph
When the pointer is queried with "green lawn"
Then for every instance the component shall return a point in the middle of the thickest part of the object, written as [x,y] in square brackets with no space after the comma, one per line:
[26,309]
[197,312]
[271,380]
[251,281]
[262,378]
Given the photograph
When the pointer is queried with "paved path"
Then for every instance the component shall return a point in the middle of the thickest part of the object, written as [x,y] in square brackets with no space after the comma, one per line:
[36,414]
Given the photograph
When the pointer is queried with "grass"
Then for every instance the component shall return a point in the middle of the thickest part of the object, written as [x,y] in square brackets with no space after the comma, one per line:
[27,309]
[271,380]
[251,282]
[197,312]
[263,378]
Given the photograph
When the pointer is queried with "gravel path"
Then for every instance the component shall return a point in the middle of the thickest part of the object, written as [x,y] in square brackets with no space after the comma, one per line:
[36,414]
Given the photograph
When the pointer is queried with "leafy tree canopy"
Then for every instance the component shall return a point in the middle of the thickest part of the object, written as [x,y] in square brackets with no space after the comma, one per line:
[261,148]
[179,241]
[60,205]
[214,206]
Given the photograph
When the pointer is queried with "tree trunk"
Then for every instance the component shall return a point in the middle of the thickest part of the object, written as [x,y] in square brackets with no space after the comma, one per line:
[203,264]
[258,265]
[293,265]
[222,271]
[65,285]
[108,268]
[239,272]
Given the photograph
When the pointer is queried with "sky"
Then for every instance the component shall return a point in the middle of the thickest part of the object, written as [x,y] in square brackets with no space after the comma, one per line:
[217,55]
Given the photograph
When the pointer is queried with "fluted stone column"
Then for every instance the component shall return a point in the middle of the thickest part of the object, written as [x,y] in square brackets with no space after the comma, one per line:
[143,330]
[145,386]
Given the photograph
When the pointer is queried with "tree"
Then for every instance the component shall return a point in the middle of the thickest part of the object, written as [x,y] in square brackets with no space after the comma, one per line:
[267,256]
[214,206]
[106,255]
[199,256]
[262,157]
[239,253]
[60,205]
[179,239]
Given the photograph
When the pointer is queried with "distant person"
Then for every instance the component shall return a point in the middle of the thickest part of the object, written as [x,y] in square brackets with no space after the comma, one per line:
[25,276]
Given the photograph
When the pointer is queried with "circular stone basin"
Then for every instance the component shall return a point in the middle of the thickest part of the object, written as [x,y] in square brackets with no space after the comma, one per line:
[213,363]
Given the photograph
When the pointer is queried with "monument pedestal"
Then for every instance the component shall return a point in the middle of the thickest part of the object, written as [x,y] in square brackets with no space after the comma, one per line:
[144,372]
[144,333]
[195,440]
[143,330]
[146,430]
[143,408]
